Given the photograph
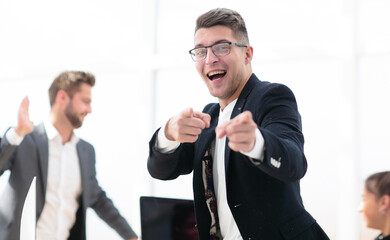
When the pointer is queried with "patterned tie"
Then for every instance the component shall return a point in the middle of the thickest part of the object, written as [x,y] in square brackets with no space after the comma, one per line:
[207,167]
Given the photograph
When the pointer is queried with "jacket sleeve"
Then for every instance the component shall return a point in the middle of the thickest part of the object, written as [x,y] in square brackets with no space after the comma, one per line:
[105,208]
[6,155]
[280,124]
[168,166]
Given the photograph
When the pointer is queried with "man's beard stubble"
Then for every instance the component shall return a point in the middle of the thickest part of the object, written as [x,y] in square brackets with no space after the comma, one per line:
[72,116]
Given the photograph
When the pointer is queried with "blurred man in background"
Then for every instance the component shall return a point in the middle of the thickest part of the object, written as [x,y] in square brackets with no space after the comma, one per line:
[63,164]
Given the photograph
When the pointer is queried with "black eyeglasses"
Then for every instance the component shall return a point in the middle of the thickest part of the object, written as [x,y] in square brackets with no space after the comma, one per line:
[219,50]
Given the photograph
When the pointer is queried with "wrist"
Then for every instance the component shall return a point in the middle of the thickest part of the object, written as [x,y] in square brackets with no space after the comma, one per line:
[19,131]
[166,131]
[12,137]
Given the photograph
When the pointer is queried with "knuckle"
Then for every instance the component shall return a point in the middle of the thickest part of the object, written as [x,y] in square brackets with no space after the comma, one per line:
[179,121]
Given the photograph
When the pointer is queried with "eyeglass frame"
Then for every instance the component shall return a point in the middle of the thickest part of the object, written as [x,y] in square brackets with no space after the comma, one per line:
[211,46]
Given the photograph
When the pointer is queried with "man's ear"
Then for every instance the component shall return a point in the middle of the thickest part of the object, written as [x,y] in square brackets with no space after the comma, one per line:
[248,54]
[62,97]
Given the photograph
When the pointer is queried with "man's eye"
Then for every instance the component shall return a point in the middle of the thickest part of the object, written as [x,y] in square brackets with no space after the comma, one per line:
[200,52]
[222,48]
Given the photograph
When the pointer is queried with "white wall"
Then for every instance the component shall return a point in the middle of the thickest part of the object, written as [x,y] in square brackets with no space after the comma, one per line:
[334,55]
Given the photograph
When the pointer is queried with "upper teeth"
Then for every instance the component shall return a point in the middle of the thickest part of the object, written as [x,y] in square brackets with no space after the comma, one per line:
[215,73]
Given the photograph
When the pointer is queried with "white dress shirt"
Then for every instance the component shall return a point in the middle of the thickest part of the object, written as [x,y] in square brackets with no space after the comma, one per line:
[63,188]
[229,229]
[63,185]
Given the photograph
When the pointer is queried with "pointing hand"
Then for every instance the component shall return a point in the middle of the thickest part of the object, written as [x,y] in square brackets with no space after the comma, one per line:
[187,126]
[240,131]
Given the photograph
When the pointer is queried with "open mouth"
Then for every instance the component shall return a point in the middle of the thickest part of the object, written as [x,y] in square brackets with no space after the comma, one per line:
[216,75]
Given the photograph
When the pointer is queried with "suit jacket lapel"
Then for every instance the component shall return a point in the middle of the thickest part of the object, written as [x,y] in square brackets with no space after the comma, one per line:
[239,108]
[208,134]
[205,140]
[83,153]
[42,144]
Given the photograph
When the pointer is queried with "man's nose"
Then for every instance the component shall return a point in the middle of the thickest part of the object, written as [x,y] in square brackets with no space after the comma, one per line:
[211,57]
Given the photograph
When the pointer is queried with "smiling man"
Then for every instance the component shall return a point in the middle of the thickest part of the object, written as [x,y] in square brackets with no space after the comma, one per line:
[246,152]
[63,164]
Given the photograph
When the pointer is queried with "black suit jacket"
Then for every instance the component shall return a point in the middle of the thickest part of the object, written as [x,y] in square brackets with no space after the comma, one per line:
[30,159]
[264,198]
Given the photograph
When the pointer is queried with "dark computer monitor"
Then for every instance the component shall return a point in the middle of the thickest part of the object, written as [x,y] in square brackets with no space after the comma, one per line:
[167,219]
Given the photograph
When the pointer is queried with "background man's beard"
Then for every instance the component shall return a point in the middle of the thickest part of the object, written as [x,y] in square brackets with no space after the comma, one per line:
[76,122]
[72,117]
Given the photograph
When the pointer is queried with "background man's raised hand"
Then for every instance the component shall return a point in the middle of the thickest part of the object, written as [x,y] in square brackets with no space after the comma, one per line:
[24,125]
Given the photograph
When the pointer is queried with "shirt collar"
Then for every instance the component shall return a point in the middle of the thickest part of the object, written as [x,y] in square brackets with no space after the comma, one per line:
[227,112]
[52,134]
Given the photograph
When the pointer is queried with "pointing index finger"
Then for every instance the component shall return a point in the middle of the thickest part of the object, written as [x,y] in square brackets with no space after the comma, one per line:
[244,117]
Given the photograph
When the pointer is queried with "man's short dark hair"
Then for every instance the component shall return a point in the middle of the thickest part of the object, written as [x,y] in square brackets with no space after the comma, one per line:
[225,17]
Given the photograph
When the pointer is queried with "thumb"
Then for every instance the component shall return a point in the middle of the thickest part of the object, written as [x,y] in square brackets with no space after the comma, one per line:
[220,131]
[204,117]
[188,112]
